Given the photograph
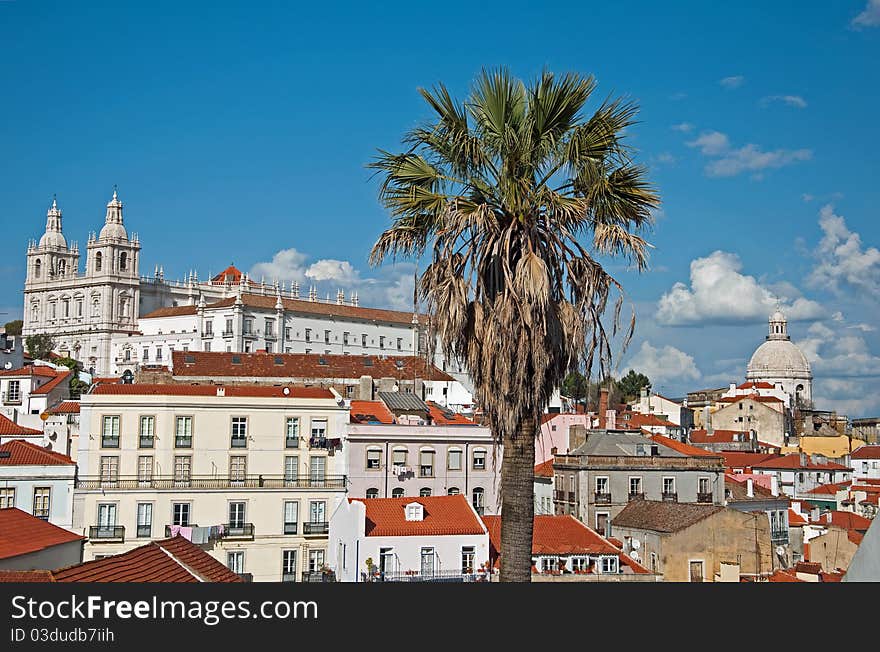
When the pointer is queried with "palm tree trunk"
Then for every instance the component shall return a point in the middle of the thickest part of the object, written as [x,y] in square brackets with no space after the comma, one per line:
[518,502]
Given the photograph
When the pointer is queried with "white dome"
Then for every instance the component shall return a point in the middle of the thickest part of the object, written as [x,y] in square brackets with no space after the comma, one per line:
[777,316]
[778,359]
[53,239]
[113,230]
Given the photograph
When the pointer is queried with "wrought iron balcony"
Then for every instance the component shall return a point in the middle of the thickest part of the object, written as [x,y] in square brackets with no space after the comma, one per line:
[318,576]
[779,536]
[243,531]
[571,498]
[704,497]
[288,577]
[146,441]
[637,495]
[560,496]
[228,333]
[238,442]
[144,531]
[429,576]
[246,577]
[183,441]
[670,496]
[170,482]
[602,498]
[109,441]
[107,534]
[168,529]
[290,528]
[313,527]
[291,442]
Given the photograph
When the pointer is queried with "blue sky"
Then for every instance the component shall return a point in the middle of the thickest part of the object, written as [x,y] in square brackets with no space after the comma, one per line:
[240,134]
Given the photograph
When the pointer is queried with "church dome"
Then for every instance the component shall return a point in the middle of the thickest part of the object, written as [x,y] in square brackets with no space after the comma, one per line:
[778,359]
[53,239]
[113,227]
[113,230]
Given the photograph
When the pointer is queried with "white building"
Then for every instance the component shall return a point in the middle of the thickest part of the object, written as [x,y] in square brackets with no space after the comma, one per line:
[865,461]
[253,472]
[436,538]
[37,481]
[780,363]
[28,392]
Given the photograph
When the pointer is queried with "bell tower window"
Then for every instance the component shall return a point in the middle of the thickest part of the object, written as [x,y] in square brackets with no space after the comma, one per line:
[98,257]
[123,261]
[62,267]
[38,266]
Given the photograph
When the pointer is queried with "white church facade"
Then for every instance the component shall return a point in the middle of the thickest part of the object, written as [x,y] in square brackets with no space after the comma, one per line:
[780,363]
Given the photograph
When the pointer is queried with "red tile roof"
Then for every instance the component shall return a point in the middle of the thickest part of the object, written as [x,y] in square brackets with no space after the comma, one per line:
[443,515]
[829,489]
[65,407]
[784,576]
[808,567]
[147,389]
[755,384]
[871,452]
[302,365]
[793,461]
[31,370]
[370,412]
[684,449]
[444,417]
[21,533]
[846,520]
[544,469]
[170,311]
[795,519]
[740,460]
[231,274]
[718,436]
[752,397]
[9,428]
[26,576]
[169,560]
[638,420]
[25,453]
[45,388]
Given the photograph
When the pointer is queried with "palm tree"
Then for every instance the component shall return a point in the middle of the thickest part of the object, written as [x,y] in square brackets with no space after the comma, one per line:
[500,190]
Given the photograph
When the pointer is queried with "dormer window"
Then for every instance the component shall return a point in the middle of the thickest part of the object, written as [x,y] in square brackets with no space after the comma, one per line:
[415,512]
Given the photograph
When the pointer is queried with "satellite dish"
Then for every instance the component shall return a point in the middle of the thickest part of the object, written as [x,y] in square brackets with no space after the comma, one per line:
[635,556]
[780,550]
[285,391]
[636,544]
[8,364]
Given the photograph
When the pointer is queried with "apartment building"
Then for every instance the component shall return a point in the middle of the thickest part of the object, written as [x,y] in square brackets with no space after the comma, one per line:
[251,473]
[37,481]
[27,392]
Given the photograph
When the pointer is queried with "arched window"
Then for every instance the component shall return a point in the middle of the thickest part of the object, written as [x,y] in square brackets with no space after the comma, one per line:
[372,493]
[123,307]
[35,312]
[98,258]
[397,492]
[453,491]
[38,267]
[425,491]
[478,499]
[96,309]
[62,267]
[123,261]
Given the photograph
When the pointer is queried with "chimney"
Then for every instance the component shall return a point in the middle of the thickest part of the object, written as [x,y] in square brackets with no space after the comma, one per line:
[707,417]
[611,419]
[774,485]
[221,391]
[603,406]
[750,488]
[803,459]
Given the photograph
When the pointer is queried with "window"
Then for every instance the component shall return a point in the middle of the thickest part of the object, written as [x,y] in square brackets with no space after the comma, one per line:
[239,432]
[145,470]
[319,432]
[98,261]
[209,327]
[399,343]
[38,266]
[467,559]
[146,356]
[109,470]
[247,347]
[696,571]
[386,560]
[237,469]
[183,432]
[79,308]
[374,458]
[308,335]
[704,485]
[291,432]
[425,491]
[635,486]
[96,308]
[106,519]
[110,432]
[609,564]
[41,502]
[601,522]
[158,353]
[13,391]
[477,499]
[52,310]
[180,514]
[316,560]
[317,511]
[228,330]
[398,457]
[372,493]
[207,346]
[288,566]
[454,459]
[601,485]
[426,464]
[381,341]
[270,328]
[579,564]
[291,516]
[326,337]
[291,467]
[317,470]
[7,497]
[126,354]
[235,561]
[363,340]
[668,485]
[397,492]
[427,562]
[653,562]
[146,432]
[453,491]
[182,469]
[144,519]
[248,326]
[236,514]
[345,338]
[65,308]
[479,459]
[287,332]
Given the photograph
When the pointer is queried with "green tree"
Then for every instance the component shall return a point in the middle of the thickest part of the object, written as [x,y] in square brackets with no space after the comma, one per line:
[77,386]
[631,384]
[14,327]
[39,346]
[516,194]
[575,386]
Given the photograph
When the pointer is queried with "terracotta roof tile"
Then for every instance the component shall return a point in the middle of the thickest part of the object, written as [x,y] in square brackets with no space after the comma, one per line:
[684,449]
[755,384]
[638,420]
[544,469]
[445,417]
[169,560]
[753,397]
[784,576]
[739,490]
[740,460]
[301,365]
[25,453]
[26,576]
[702,436]
[21,533]
[65,407]
[9,428]
[31,370]
[829,489]
[147,389]
[443,515]
[793,461]
[868,452]
[170,311]
[45,388]
[370,412]
[662,516]
[846,520]
[795,519]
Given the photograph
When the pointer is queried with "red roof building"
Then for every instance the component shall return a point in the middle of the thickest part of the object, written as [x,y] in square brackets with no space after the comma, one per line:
[22,536]
[25,453]
[9,428]
[370,412]
[442,515]
[868,452]
[253,391]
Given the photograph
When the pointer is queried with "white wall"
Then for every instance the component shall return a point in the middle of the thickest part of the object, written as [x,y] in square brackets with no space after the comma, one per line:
[58,478]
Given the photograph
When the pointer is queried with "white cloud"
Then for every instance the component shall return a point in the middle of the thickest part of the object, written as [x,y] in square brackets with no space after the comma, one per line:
[664,363]
[683,127]
[870,16]
[807,197]
[791,100]
[734,81]
[719,293]
[286,265]
[731,161]
[841,258]
[328,269]
[835,352]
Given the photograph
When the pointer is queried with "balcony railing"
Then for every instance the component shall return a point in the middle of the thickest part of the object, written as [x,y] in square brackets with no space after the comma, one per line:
[291,442]
[560,496]
[704,497]
[436,576]
[288,577]
[246,577]
[779,536]
[571,497]
[12,399]
[636,495]
[238,531]
[107,533]
[670,496]
[211,482]
[144,531]
[312,527]
[238,442]
[183,441]
[602,498]
[146,441]
[109,441]
[318,576]
[168,529]
[290,528]
[228,333]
